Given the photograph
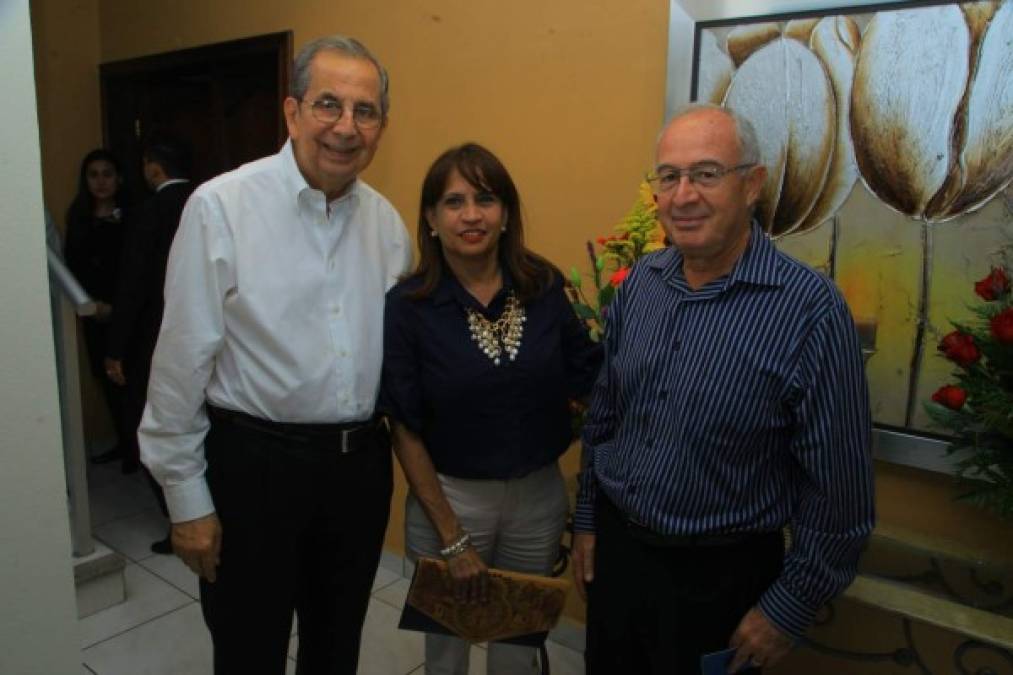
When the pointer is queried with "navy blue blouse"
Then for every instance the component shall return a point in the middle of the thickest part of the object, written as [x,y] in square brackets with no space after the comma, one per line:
[479,420]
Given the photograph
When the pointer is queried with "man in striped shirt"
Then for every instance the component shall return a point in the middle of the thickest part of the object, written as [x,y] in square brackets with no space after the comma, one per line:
[732,404]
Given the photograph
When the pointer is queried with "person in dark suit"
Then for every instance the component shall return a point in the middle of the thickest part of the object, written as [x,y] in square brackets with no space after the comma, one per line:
[137,316]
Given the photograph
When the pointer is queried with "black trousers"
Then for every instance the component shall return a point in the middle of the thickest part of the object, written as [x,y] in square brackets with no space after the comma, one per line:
[657,608]
[302,531]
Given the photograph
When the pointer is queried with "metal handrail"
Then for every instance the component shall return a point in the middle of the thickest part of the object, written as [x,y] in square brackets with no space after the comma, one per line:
[74,300]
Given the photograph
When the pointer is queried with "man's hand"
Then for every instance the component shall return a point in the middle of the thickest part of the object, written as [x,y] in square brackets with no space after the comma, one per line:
[114,371]
[198,544]
[470,577]
[758,642]
[583,561]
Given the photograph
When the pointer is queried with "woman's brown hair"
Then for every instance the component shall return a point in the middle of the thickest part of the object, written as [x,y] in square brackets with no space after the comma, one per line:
[532,274]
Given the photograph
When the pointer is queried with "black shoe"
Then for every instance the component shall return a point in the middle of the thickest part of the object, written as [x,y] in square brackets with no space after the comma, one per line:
[163,546]
[129,466]
[107,456]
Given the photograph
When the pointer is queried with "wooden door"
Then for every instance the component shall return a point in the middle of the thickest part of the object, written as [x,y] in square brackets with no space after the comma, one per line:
[224,99]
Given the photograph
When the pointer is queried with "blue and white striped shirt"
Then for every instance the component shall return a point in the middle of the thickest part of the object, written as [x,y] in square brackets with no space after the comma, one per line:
[739,407]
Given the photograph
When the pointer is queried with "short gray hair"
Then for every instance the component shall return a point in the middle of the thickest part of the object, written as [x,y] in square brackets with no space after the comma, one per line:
[749,147]
[300,81]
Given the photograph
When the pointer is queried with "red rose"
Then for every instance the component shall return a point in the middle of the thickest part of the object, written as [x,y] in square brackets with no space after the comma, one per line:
[960,348]
[601,241]
[619,276]
[1002,325]
[995,285]
[950,396]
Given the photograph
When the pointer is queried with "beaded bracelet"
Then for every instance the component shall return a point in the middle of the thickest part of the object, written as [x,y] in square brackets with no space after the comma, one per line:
[456,548]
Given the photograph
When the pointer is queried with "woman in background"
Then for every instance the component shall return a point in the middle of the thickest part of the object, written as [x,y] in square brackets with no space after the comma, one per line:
[94,244]
[482,356]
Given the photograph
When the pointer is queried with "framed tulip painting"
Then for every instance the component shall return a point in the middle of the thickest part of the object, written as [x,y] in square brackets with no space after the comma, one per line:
[887,132]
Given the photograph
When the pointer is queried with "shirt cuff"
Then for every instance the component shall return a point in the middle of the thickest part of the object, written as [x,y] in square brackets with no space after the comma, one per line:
[789,614]
[189,500]
[583,518]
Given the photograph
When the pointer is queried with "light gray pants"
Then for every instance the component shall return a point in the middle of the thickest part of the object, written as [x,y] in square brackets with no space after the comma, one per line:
[514,525]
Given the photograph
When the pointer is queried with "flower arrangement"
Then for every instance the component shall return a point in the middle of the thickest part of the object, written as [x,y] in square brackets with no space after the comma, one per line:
[612,257]
[978,408]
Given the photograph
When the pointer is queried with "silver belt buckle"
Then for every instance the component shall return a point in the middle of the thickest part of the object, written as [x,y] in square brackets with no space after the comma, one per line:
[344,440]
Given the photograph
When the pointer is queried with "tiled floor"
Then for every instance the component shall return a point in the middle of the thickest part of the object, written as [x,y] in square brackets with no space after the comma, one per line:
[159,629]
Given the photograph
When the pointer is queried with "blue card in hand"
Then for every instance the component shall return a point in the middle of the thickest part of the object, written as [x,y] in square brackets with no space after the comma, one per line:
[716,663]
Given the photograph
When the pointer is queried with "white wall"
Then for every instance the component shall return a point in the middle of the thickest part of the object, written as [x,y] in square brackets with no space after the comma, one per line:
[37,614]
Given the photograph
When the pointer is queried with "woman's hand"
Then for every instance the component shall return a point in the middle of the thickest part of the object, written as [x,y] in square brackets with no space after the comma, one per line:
[469,576]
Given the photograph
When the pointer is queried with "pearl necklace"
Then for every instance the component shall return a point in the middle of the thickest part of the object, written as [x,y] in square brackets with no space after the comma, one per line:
[503,334]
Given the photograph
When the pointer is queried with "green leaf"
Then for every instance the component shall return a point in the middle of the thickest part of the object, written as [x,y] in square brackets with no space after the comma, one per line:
[584,312]
[605,295]
[575,277]
[599,263]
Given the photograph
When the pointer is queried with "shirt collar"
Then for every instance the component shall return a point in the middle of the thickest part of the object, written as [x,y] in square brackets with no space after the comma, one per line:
[296,183]
[757,265]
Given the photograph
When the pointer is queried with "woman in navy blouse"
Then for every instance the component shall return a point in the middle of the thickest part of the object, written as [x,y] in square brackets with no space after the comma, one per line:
[482,355]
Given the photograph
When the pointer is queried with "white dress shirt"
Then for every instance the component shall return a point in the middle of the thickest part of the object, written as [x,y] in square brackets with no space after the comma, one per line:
[273,307]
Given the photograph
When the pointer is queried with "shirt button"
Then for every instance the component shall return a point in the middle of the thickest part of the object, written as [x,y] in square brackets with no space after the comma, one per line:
[335,310]
[330,265]
[649,442]
[662,395]
[677,345]
[632,489]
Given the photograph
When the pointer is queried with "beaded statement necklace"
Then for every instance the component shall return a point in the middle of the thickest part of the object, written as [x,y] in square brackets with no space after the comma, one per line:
[502,335]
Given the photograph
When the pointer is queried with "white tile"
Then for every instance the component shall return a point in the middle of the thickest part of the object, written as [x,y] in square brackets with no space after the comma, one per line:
[175,644]
[563,660]
[117,500]
[394,594]
[148,597]
[133,536]
[386,650]
[384,577]
[171,569]
[391,561]
[95,595]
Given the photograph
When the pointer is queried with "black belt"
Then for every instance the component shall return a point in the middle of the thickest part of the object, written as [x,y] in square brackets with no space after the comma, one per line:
[345,437]
[644,534]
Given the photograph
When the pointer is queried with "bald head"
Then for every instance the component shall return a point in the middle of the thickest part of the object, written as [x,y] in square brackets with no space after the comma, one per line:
[741,128]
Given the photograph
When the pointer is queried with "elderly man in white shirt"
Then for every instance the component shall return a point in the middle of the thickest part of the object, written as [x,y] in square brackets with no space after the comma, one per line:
[260,425]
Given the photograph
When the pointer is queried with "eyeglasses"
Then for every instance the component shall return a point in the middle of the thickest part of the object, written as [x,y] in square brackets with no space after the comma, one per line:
[703,175]
[330,110]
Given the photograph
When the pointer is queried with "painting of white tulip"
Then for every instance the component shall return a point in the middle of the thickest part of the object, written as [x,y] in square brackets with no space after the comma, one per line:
[888,140]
